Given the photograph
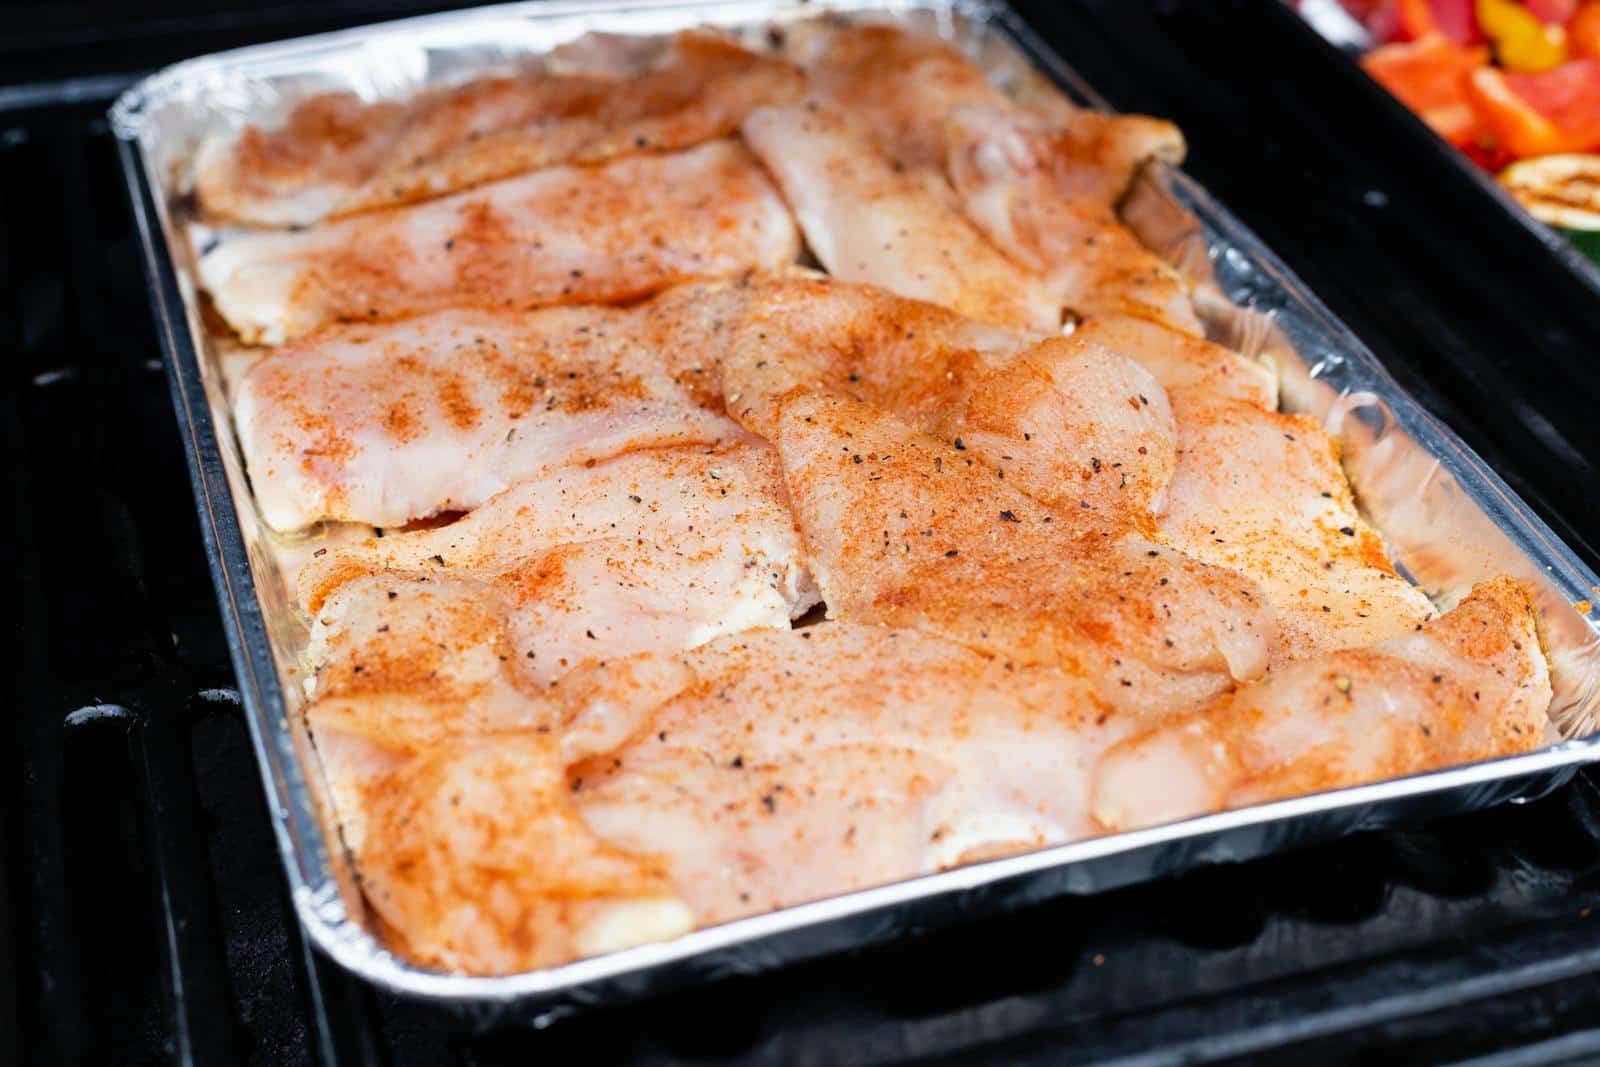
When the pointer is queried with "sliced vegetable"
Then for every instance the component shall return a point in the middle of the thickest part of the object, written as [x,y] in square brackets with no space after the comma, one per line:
[1564,192]
[1429,77]
[1561,190]
[1522,42]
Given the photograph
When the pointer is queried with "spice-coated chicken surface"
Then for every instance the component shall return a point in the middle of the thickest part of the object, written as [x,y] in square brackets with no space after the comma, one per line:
[745,474]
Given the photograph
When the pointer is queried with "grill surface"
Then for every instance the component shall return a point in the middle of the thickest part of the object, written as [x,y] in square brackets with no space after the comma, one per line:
[149,921]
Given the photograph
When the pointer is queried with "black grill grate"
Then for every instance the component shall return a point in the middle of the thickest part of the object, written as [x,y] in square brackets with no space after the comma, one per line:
[150,921]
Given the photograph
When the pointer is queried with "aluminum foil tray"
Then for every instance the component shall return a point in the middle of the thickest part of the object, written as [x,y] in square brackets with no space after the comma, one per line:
[1448,518]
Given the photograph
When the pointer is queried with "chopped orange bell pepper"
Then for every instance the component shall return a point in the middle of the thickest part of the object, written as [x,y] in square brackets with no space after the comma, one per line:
[1537,114]
[1429,77]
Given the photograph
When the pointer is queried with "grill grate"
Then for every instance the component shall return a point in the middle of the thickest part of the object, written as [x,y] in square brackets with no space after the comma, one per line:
[153,925]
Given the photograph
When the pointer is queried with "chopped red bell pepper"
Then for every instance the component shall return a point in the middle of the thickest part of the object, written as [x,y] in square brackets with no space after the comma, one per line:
[1537,114]
[1552,12]
[1569,96]
[1456,19]
[1429,78]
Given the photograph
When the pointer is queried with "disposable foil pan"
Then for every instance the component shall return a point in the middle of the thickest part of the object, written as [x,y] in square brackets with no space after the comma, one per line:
[1448,518]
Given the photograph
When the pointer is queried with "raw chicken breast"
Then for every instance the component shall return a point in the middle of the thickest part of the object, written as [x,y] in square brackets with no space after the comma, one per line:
[899,84]
[1066,421]
[758,771]
[869,222]
[402,666]
[1470,685]
[391,422]
[906,530]
[480,863]
[650,551]
[565,235]
[1179,362]
[1046,196]
[1263,493]
[792,765]
[1041,184]
[336,155]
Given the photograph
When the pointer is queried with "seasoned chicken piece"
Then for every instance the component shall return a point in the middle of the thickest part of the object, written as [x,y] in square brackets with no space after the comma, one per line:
[868,222]
[1046,195]
[899,84]
[791,765]
[405,665]
[462,630]
[1263,493]
[480,863]
[1471,685]
[1042,184]
[565,235]
[401,667]
[1179,362]
[332,145]
[336,155]
[1066,421]
[905,86]
[391,422]
[657,550]
[1077,155]
[758,771]
[906,530]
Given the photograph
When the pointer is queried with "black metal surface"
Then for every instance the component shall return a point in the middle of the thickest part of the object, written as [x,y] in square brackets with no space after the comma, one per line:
[147,919]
